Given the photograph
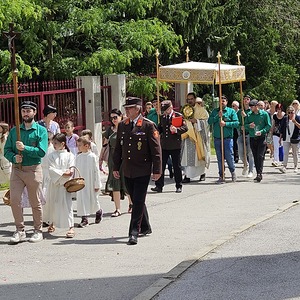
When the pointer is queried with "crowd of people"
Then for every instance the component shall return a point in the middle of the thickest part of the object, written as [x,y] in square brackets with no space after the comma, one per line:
[136,144]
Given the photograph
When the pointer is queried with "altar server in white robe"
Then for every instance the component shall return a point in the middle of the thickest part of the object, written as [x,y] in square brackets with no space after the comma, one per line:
[59,208]
[88,198]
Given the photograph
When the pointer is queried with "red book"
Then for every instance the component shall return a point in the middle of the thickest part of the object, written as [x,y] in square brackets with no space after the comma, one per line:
[177,121]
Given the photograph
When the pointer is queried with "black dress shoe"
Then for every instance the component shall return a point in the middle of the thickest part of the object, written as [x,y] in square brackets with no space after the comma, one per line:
[186,180]
[156,189]
[178,190]
[132,240]
[202,177]
[145,232]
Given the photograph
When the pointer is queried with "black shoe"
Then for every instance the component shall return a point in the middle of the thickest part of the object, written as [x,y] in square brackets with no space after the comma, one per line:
[178,190]
[156,189]
[132,240]
[258,178]
[99,215]
[202,177]
[144,233]
[186,180]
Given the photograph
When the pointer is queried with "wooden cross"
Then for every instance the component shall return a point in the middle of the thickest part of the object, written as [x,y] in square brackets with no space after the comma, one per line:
[11,35]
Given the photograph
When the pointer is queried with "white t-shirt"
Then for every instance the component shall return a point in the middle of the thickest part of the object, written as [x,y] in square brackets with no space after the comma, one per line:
[289,129]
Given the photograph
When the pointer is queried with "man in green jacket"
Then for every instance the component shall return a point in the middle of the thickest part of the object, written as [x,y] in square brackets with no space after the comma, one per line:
[258,124]
[227,119]
[25,155]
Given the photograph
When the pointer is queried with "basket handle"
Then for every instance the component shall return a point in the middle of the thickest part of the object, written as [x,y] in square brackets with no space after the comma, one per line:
[73,167]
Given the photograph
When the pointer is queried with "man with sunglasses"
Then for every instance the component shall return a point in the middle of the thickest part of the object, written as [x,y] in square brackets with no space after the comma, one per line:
[258,124]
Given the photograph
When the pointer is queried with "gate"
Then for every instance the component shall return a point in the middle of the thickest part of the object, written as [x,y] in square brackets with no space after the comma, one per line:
[66,95]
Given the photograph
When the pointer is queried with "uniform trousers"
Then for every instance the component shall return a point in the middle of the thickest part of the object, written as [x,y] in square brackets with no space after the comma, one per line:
[31,177]
[137,189]
[258,147]
[175,156]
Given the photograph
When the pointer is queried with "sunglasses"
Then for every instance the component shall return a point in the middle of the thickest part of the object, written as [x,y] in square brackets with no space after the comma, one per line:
[291,112]
[114,118]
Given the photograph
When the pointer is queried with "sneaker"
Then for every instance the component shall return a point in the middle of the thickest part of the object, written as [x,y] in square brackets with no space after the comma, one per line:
[282,169]
[250,175]
[220,181]
[244,171]
[84,222]
[296,170]
[233,176]
[275,164]
[99,215]
[36,237]
[18,237]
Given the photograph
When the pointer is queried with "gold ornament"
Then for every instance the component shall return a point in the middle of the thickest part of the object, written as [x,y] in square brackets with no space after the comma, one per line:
[188,111]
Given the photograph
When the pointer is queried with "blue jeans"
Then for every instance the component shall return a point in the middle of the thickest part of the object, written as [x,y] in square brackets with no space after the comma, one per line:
[228,154]
[249,154]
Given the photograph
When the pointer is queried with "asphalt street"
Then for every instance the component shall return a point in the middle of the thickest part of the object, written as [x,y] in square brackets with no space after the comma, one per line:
[182,259]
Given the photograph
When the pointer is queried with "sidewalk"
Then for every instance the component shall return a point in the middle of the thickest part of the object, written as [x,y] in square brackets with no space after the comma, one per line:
[261,263]
[97,263]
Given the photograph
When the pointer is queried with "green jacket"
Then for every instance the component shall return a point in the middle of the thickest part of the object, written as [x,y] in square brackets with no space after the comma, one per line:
[152,116]
[261,120]
[230,118]
[239,114]
[36,144]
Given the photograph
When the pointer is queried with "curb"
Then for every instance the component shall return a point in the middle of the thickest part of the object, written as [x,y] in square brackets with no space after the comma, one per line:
[183,266]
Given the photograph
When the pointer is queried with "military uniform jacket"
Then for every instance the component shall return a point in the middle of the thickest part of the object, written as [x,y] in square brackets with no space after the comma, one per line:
[171,141]
[138,149]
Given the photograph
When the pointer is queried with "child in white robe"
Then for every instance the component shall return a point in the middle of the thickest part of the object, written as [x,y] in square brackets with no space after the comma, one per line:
[88,198]
[59,205]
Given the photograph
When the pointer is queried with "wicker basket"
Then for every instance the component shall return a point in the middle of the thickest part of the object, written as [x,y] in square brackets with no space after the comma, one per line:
[6,198]
[75,184]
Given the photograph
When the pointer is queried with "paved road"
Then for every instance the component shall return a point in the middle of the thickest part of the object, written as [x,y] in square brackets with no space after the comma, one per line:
[97,263]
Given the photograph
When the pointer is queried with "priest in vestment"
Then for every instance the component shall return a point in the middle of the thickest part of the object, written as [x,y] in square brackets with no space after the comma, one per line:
[196,143]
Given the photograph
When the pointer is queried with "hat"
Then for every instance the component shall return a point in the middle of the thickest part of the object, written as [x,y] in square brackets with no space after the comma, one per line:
[253,102]
[161,99]
[165,105]
[224,97]
[247,96]
[49,109]
[132,101]
[28,105]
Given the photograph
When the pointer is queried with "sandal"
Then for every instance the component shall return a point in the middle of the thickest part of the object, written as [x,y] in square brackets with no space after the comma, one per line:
[130,208]
[51,228]
[70,234]
[116,214]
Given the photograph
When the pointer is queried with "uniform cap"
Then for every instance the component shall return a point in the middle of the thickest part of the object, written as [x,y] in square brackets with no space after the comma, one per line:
[165,105]
[29,105]
[132,101]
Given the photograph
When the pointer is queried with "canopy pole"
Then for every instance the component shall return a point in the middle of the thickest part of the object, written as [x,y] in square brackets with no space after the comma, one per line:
[221,110]
[157,85]
[243,118]
[187,50]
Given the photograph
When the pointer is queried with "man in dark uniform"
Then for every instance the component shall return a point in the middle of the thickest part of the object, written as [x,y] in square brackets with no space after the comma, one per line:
[171,143]
[138,148]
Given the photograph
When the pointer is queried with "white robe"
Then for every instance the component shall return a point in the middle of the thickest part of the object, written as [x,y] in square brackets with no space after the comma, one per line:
[59,209]
[87,199]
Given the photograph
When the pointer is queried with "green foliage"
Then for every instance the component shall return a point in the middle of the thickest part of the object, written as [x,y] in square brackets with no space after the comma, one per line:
[145,87]
[65,38]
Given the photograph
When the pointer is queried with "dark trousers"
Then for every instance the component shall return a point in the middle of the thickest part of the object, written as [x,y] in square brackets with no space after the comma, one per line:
[258,147]
[175,156]
[137,189]
[235,145]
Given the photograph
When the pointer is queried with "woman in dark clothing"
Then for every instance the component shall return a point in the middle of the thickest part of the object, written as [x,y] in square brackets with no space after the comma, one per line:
[116,187]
